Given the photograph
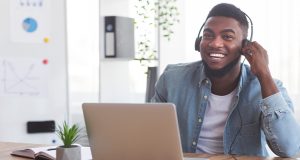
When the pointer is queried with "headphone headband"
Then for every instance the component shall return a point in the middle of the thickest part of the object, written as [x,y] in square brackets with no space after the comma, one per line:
[251,26]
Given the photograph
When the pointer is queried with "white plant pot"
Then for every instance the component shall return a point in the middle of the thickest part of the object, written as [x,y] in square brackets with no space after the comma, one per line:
[72,153]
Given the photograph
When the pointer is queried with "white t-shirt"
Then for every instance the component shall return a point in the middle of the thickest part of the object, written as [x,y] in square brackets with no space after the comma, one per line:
[211,135]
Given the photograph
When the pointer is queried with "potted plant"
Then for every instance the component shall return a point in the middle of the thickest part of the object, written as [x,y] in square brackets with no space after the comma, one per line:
[69,135]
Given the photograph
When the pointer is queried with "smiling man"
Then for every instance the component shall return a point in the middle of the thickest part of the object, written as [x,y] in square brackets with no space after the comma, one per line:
[223,105]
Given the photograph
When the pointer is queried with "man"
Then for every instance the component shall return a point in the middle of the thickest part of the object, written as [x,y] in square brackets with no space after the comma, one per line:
[223,105]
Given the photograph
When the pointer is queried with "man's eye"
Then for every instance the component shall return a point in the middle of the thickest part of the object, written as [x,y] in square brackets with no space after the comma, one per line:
[227,37]
[207,36]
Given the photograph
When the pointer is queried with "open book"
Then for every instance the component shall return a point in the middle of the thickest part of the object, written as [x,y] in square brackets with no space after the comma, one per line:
[40,153]
[48,153]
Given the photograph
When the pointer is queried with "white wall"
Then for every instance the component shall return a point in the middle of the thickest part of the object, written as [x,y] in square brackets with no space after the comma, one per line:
[121,80]
[83,55]
[174,51]
[91,77]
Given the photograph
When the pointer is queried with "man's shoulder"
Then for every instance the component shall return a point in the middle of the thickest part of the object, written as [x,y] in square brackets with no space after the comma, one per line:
[181,67]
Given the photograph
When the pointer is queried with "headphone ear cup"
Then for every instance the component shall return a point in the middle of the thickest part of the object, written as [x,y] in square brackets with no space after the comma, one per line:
[197,42]
[244,43]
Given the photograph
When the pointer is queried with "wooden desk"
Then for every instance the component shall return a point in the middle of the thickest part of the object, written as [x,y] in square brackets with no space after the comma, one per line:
[7,147]
[234,157]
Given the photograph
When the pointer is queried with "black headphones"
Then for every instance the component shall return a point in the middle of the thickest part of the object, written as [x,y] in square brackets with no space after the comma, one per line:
[199,38]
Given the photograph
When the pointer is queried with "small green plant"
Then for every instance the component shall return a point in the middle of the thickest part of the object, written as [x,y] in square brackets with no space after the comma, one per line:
[68,134]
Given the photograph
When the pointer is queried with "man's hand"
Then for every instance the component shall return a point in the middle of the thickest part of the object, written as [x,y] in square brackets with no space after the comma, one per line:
[258,59]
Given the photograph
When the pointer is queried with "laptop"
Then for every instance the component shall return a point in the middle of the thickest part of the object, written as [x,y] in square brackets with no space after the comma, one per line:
[133,131]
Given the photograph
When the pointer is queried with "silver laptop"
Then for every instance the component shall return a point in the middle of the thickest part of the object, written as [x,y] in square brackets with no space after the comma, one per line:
[133,131]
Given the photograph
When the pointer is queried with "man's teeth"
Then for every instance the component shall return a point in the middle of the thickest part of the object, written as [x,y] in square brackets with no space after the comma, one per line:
[217,55]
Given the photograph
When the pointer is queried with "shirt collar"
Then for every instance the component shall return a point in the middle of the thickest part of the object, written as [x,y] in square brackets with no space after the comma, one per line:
[202,74]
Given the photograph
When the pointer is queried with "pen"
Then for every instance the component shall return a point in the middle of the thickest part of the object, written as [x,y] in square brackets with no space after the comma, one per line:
[50,149]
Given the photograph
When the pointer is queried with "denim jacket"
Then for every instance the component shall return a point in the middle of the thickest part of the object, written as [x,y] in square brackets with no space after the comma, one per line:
[252,122]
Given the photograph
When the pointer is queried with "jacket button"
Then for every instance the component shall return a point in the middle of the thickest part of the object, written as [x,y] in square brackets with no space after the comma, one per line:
[199,120]
[194,143]
[205,97]
[265,107]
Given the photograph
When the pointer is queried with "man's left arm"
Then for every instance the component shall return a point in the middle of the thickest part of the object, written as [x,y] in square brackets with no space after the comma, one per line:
[279,124]
[278,121]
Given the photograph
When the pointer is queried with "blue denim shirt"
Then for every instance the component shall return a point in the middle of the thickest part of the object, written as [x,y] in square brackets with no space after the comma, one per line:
[251,121]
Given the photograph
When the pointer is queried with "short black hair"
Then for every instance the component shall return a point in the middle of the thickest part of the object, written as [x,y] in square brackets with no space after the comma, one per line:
[229,10]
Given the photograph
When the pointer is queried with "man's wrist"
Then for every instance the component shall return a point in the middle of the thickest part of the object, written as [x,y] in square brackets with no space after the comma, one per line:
[268,86]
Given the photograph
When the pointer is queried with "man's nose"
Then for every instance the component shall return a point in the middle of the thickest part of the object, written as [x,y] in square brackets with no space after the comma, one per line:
[216,42]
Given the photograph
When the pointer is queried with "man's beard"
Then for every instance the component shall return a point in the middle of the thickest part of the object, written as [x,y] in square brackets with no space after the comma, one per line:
[220,72]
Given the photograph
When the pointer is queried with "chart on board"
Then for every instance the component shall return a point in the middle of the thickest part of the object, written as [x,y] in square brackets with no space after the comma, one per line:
[30,21]
[23,77]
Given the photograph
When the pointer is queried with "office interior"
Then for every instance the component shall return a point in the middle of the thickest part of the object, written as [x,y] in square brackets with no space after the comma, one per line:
[89,76]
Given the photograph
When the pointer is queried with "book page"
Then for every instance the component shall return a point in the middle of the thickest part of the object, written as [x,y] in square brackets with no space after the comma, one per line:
[45,150]
[27,153]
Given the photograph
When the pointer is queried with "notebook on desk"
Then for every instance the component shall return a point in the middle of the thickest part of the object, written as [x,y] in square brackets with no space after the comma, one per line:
[133,131]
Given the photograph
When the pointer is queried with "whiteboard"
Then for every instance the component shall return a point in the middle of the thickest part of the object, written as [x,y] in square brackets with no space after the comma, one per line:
[33,67]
